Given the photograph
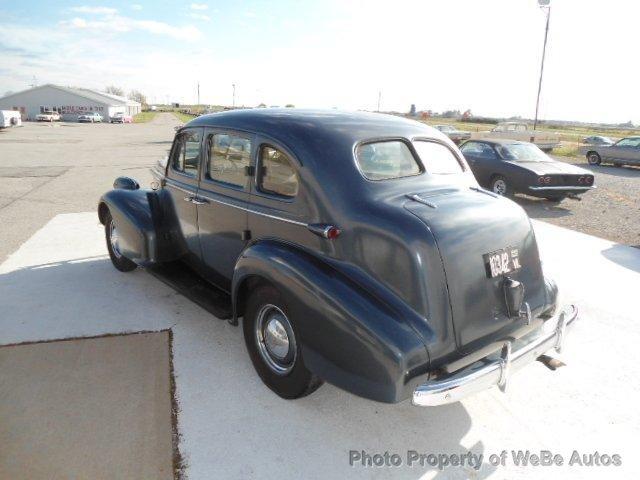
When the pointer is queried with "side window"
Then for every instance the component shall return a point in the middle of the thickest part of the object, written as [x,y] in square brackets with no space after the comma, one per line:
[186,154]
[277,174]
[472,148]
[228,157]
[437,158]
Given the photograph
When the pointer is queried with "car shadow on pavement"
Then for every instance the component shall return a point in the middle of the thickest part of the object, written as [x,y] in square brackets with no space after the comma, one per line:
[620,255]
[228,421]
[542,208]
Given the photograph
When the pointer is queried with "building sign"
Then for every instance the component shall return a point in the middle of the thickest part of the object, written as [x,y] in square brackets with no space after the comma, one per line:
[79,109]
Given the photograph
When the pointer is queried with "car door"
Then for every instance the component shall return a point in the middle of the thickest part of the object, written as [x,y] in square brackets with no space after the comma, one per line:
[222,201]
[278,205]
[482,159]
[182,184]
[619,150]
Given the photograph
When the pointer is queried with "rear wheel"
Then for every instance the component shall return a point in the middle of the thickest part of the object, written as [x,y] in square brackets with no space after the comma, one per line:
[593,158]
[500,186]
[119,261]
[273,344]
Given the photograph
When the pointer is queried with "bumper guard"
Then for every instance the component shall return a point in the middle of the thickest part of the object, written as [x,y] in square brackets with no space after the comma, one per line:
[486,374]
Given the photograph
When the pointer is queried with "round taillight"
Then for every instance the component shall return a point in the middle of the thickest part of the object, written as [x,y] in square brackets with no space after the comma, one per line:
[547,179]
[588,180]
[332,232]
[540,179]
[581,180]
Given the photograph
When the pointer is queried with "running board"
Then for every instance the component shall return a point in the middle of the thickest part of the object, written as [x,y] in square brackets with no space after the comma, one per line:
[188,283]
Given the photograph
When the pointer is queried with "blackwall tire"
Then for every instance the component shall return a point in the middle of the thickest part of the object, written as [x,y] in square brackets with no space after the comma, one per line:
[119,261]
[593,158]
[274,345]
[500,186]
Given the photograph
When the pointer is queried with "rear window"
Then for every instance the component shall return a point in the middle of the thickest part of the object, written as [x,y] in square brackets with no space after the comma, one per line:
[437,158]
[386,160]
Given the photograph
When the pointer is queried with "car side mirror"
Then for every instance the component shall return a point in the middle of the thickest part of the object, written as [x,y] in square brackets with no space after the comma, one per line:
[125,183]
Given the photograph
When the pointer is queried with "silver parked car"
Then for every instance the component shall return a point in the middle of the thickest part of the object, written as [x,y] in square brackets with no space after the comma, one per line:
[456,136]
[91,117]
[623,152]
[597,140]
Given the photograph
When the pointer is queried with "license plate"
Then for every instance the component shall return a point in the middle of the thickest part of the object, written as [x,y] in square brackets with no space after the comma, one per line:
[501,262]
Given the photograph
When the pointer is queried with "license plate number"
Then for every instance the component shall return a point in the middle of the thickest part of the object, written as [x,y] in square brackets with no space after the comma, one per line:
[501,262]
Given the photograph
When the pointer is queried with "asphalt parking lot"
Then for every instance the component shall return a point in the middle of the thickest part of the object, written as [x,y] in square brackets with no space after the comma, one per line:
[612,211]
[56,282]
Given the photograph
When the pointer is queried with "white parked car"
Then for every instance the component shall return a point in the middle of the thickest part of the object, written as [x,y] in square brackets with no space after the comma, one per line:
[120,117]
[48,116]
[10,118]
[92,117]
[520,131]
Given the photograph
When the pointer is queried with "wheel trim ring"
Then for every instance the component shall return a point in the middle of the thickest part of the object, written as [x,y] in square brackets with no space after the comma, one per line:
[278,364]
[593,159]
[113,240]
[499,187]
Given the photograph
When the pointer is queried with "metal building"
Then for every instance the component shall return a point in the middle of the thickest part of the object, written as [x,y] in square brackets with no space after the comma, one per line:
[69,102]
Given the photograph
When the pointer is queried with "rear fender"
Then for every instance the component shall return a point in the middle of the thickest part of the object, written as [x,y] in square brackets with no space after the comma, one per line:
[144,227]
[352,335]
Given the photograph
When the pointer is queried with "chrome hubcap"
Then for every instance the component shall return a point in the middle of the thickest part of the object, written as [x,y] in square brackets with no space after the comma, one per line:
[499,187]
[114,239]
[593,159]
[275,339]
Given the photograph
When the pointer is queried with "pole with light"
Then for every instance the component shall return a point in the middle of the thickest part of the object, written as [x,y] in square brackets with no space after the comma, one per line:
[544,5]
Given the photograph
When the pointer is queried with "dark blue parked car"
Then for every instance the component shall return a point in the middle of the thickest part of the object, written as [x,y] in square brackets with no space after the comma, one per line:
[358,249]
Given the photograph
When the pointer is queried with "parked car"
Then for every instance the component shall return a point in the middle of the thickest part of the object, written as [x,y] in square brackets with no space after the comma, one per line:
[10,118]
[457,136]
[597,140]
[506,167]
[358,249]
[520,131]
[92,117]
[623,152]
[48,116]
[120,117]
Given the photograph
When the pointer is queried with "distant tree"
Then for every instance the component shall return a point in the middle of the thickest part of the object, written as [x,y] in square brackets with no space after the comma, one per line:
[138,96]
[262,105]
[113,90]
[289,105]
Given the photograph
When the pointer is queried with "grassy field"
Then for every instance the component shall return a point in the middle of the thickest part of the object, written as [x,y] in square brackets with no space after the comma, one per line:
[144,117]
[183,117]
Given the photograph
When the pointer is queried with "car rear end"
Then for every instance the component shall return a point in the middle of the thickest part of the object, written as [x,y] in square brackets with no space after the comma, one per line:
[562,184]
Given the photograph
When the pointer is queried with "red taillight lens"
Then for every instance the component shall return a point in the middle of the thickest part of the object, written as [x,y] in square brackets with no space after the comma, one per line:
[540,180]
[333,232]
[581,180]
[588,180]
[547,179]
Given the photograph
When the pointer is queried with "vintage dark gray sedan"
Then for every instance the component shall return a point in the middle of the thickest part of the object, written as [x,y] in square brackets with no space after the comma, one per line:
[358,249]
[508,166]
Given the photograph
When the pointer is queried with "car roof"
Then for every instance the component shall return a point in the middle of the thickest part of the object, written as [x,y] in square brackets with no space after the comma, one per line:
[314,131]
[500,141]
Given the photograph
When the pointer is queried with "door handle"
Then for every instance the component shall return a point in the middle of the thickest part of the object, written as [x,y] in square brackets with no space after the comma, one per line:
[199,200]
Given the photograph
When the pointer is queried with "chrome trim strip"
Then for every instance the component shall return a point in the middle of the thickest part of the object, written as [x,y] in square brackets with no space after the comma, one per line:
[256,212]
[483,375]
[592,187]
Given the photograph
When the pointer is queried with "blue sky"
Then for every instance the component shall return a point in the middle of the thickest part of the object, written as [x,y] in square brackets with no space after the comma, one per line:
[459,54]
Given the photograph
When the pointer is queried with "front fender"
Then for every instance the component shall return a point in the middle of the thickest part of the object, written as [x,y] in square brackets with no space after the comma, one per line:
[351,335]
[143,226]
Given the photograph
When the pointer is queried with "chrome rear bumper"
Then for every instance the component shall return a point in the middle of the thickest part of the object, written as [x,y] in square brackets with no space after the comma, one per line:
[488,373]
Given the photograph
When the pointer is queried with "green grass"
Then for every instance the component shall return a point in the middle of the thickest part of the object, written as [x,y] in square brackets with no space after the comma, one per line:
[183,117]
[567,150]
[144,117]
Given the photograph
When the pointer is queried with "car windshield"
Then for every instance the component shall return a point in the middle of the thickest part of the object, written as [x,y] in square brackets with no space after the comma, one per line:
[386,160]
[445,128]
[522,152]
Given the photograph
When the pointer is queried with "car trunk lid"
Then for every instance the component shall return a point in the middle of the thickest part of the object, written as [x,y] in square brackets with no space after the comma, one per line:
[468,224]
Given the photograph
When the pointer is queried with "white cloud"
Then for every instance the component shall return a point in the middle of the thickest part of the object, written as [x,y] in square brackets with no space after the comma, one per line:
[119,24]
[95,10]
[200,16]
[136,6]
[199,6]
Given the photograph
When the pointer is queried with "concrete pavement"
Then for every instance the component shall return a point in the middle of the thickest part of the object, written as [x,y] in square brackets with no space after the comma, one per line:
[60,284]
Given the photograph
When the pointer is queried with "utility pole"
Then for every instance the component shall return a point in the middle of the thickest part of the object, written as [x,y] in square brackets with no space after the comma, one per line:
[233,104]
[379,97]
[198,93]
[34,82]
[545,5]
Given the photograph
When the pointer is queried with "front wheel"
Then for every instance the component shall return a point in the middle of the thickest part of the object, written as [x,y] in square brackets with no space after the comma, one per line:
[274,345]
[119,261]
[500,186]
[593,158]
